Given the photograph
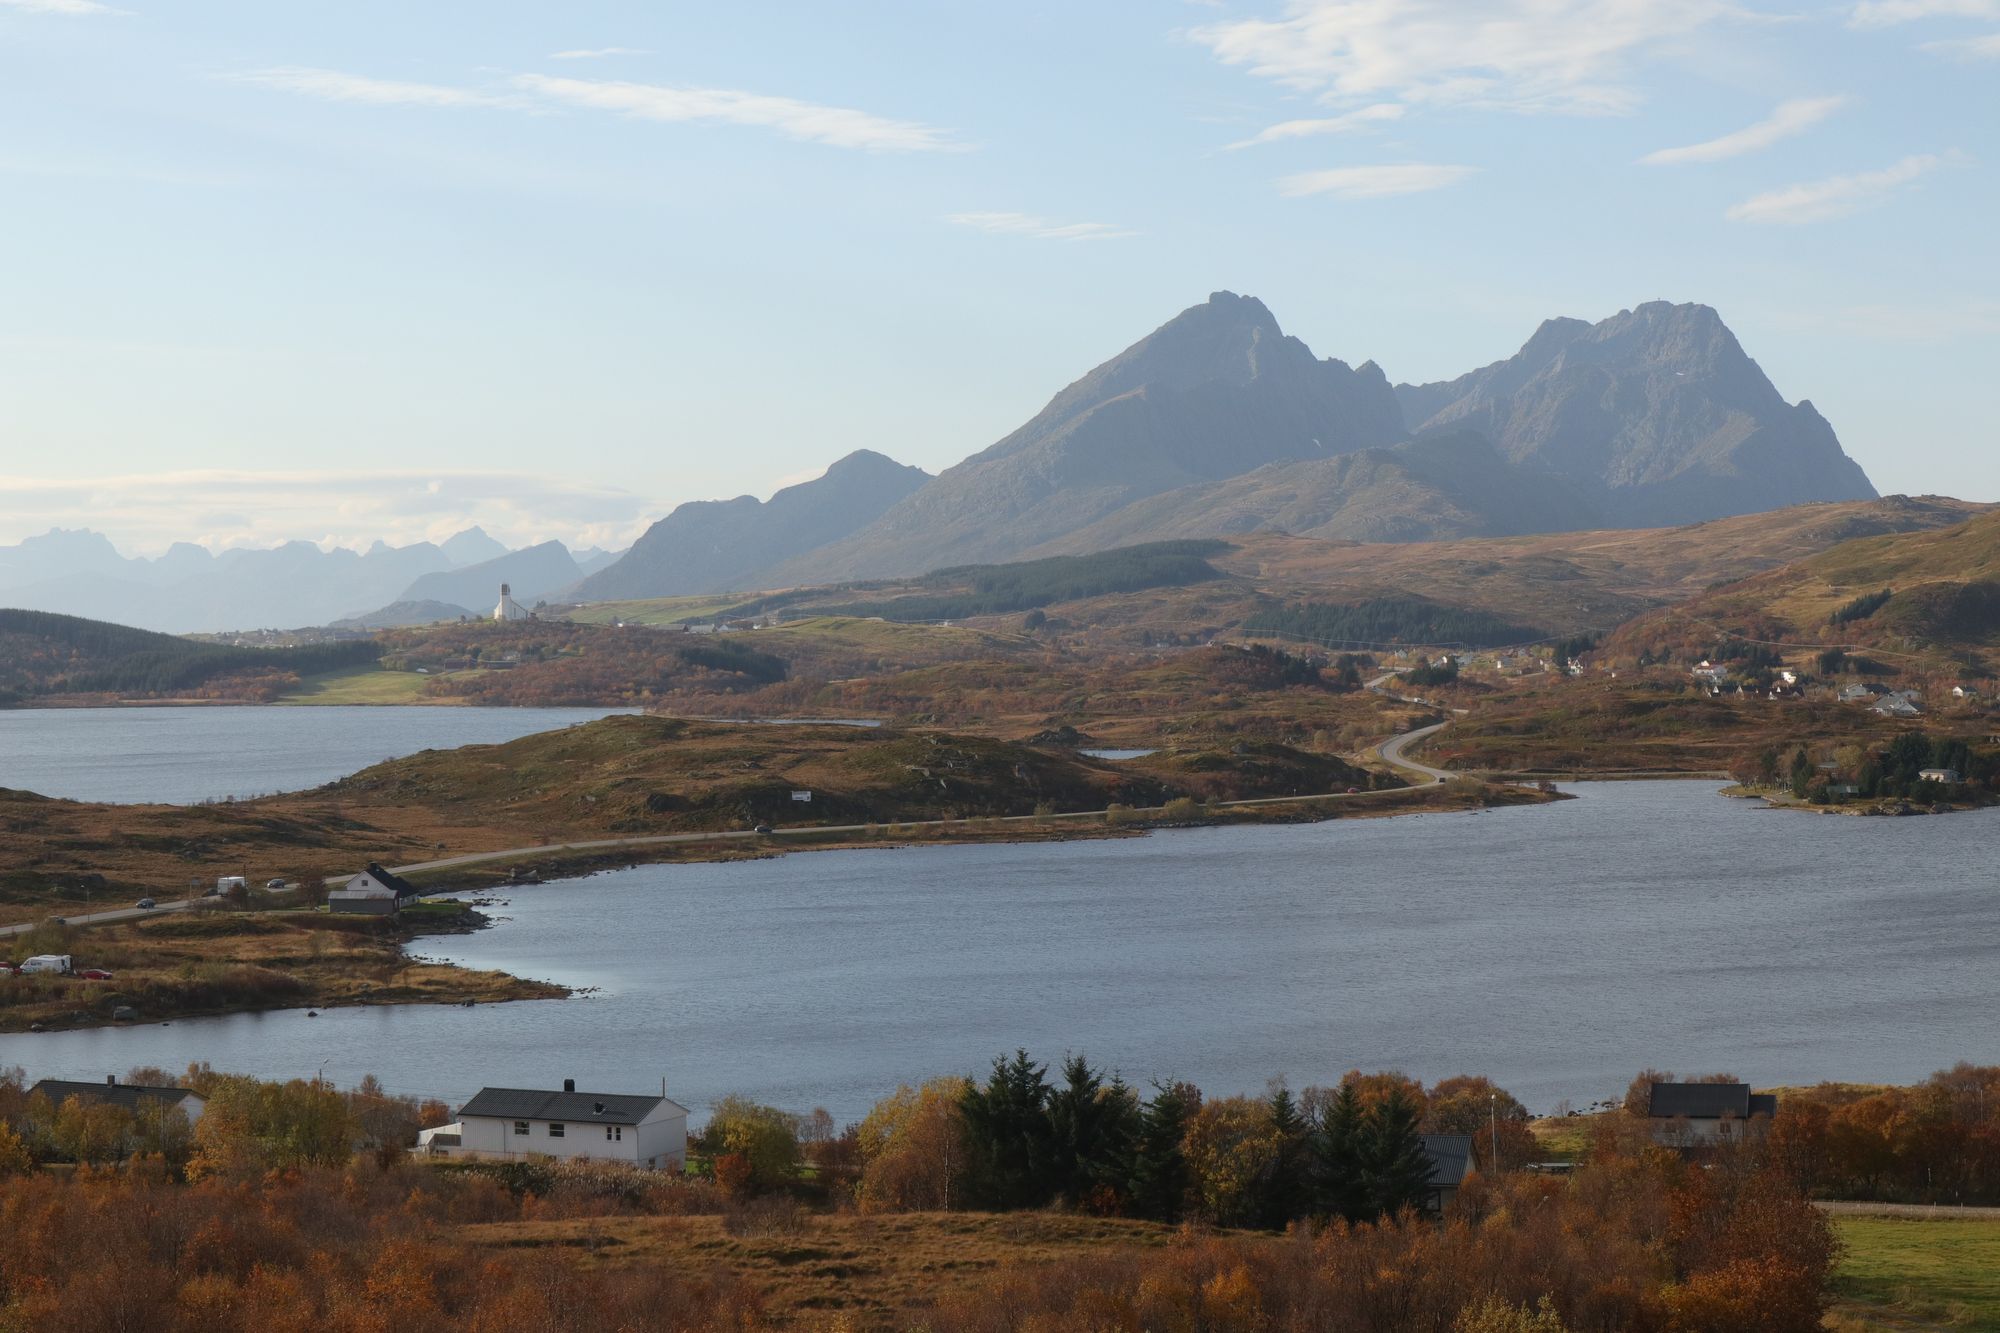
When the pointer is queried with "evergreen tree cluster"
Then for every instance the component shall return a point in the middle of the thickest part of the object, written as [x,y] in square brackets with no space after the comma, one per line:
[1092,1143]
[1383,621]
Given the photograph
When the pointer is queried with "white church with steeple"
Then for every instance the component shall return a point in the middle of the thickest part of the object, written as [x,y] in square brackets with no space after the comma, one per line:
[509,609]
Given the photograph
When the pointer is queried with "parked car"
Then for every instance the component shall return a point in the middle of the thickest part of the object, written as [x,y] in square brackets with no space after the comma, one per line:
[146,904]
[94,974]
[59,921]
[212,893]
[274,884]
[762,828]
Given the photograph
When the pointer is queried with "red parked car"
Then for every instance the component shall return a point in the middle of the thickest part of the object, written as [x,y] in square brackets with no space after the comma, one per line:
[94,974]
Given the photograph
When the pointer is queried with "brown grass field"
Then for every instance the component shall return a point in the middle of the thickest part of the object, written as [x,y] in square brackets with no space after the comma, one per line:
[880,1271]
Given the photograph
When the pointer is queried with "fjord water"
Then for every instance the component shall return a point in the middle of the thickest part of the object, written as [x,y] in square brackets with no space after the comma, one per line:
[1559,948]
[181,755]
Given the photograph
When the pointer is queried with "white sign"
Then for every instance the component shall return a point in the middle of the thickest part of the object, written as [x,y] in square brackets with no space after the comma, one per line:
[805,796]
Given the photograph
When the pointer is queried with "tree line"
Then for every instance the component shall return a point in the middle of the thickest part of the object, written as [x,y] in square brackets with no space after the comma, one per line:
[42,652]
[1390,620]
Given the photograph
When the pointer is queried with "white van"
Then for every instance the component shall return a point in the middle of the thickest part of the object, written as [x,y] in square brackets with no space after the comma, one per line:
[46,962]
[231,882]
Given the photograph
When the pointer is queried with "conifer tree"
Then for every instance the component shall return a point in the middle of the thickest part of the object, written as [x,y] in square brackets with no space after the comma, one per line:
[1397,1170]
[1340,1189]
[1287,1194]
[1091,1127]
[1008,1135]
[1158,1178]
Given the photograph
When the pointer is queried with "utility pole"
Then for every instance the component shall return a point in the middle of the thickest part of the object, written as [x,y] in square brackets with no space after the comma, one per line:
[1493,1116]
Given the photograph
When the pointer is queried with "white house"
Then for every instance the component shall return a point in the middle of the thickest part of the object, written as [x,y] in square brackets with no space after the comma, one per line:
[373,892]
[509,609]
[515,1123]
[1948,776]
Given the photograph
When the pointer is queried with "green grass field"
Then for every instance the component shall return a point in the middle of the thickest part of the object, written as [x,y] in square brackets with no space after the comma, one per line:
[362,685]
[1914,1273]
[654,610]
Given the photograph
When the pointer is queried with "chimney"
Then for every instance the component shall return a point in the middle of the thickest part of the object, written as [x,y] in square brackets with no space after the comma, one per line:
[111,1080]
[597,1108]
[569,1085]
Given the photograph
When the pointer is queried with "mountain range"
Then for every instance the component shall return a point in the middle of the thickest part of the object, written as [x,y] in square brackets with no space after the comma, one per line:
[192,589]
[1218,423]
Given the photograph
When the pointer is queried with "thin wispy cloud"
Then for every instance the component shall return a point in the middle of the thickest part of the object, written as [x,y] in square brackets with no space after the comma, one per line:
[69,8]
[1967,48]
[1889,13]
[599,52]
[1568,56]
[1027,224]
[1836,196]
[1366,117]
[841,127]
[1791,118]
[1374,182]
[329,85]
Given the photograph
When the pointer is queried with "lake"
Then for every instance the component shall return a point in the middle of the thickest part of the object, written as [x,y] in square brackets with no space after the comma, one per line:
[1559,948]
[181,755]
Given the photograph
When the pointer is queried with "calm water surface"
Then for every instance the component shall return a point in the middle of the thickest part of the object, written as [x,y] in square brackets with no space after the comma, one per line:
[1559,948]
[180,755]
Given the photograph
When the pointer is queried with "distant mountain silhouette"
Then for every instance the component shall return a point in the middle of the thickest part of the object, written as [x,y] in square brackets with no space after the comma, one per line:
[1656,415]
[471,547]
[715,545]
[533,573]
[1215,392]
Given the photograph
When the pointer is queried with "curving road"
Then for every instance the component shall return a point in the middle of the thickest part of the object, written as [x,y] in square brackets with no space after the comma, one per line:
[1392,752]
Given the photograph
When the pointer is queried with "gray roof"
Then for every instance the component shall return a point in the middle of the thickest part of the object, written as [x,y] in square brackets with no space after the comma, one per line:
[1708,1101]
[577,1108]
[1451,1157]
[127,1095]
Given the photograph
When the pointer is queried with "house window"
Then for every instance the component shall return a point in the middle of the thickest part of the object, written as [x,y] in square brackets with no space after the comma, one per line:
[555,1131]
[614,1133]
[521,1127]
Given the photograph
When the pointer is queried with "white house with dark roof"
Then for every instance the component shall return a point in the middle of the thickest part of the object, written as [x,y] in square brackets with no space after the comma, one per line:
[1686,1114]
[373,892]
[514,1123]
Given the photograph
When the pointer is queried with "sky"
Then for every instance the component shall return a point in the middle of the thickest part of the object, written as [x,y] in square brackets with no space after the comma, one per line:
[370,270]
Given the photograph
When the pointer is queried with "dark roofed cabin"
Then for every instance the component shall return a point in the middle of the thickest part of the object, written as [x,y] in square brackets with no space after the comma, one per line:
[1693,1113]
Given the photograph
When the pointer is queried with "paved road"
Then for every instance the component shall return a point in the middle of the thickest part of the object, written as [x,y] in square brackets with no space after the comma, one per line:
[1391,752]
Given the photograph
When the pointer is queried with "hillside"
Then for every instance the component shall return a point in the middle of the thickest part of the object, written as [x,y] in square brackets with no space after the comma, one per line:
[1918,597]
[1656,415]
[1434,489]
[718,545]
[45,656]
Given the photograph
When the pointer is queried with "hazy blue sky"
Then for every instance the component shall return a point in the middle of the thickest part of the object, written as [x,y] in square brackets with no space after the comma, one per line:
[340,271]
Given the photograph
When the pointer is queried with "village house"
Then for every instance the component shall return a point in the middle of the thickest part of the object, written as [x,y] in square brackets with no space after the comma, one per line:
[1948,776]
[1450,1156]
[1692,1114]
[125,1096]
[515,1123]
[1854,694]
[1898,703]
[373,892]
[1964,692]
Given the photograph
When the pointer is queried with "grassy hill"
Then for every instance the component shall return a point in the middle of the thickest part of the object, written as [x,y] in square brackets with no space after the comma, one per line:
[1917,600]
[44,654]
